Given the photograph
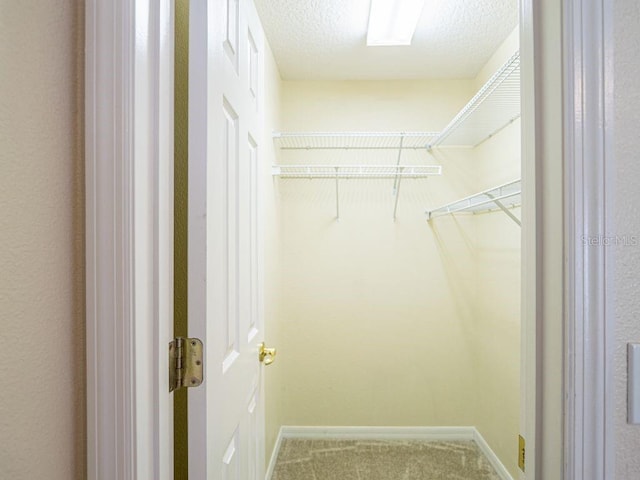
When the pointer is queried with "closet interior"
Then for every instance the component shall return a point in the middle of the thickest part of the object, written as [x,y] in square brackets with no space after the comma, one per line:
[393,258]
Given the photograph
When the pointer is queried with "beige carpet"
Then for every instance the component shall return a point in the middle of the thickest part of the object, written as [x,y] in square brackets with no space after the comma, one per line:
[381,460]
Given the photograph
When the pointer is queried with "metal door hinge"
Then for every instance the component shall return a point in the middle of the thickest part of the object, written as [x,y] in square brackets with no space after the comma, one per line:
[521,452]
[185,363]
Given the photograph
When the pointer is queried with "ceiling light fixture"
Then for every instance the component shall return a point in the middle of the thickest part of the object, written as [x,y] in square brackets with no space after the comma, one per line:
[393,22]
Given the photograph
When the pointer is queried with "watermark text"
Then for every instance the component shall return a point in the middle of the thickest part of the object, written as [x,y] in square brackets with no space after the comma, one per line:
[610,241]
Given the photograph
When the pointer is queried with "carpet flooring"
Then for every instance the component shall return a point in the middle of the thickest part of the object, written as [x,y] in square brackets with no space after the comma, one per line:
[303,459]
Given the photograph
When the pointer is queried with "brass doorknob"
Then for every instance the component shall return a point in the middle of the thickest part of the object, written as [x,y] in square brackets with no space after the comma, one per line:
[266,355]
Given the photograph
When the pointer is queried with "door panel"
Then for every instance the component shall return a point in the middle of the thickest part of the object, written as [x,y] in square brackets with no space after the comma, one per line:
[225,119]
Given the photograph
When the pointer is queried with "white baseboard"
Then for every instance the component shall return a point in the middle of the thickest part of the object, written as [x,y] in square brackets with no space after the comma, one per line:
[389,433]
[381,433]
[495,462]
[274,456]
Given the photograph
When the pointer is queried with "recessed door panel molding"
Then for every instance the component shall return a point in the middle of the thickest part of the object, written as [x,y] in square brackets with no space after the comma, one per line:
[253,66]
[253,434]
[232,27]
[230,459]
[231,154]
[253,236]
[244,238]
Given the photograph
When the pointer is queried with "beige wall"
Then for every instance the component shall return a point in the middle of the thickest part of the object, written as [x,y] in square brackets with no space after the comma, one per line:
[503,53]
[376,316]
[498,272]
[626,221]
[42,398]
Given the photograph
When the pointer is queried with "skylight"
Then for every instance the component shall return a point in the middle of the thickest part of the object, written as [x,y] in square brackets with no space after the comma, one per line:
[393,22]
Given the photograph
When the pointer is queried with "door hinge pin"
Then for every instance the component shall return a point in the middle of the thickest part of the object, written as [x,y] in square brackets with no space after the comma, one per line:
[185,363]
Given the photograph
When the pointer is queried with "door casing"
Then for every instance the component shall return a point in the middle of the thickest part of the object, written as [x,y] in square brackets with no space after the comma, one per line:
[129,195]
[129,237]
[589,172]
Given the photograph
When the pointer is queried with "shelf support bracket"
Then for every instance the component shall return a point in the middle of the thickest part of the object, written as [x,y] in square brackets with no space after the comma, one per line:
[396,181]
[505,210]
[337,197]
[395,207]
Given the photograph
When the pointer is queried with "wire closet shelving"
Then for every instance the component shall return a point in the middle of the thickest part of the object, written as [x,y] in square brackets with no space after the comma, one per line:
[398,141]
[353,140]
[495,106]
[504,197]
[356,171]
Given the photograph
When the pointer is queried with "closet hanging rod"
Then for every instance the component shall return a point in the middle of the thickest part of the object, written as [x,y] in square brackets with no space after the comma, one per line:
[356,171]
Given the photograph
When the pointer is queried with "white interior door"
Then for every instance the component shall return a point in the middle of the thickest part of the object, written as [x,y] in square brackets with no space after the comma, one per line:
[226,433]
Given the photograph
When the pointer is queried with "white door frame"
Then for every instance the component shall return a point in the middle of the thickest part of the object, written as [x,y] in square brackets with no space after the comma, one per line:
[589,173]
[529,349]
[129,238]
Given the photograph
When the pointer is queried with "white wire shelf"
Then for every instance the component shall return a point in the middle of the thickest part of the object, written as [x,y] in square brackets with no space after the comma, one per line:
[503,197]
[353,140]
[495,106]
[356,171]
[342,172]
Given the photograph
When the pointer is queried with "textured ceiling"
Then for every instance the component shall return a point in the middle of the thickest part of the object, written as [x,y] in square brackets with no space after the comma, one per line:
[326,39]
